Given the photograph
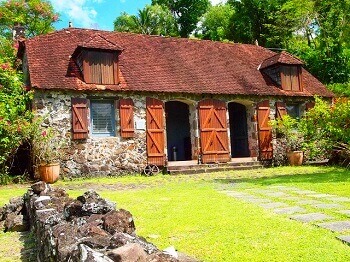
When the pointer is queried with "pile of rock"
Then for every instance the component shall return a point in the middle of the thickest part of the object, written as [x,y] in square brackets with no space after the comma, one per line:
[86,229]
[13,216]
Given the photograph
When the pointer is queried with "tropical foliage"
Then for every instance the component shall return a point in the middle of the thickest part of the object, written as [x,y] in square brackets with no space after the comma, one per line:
[36,16]
[152,20]
[16,126]
[186,12]
[14,116]
[323,132]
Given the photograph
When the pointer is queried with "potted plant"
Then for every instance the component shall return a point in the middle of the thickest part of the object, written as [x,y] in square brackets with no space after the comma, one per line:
[287,128]
[46,151]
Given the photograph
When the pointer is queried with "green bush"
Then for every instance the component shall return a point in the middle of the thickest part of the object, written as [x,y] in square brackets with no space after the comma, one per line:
[320,131]
[15,118]
[340,89]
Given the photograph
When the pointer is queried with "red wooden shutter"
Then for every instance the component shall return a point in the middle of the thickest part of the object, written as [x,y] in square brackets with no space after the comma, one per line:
[309,105]
[285,78]
[126,114]
[294,78]
[107,68]
[155,131]
[99,67]
[79,118]
[291,78]
[213,128]
[265,131]
[280,110]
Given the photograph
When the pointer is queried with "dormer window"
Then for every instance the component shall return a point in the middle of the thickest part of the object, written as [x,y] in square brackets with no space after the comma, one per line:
[291,78]
[285,70]
[97,59]
[99,67]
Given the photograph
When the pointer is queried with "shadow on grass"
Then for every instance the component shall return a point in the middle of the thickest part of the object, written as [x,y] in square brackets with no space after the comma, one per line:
[335,175]
[29,251]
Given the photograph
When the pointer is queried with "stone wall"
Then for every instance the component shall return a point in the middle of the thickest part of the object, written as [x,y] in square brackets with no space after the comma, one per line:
[117,155]
[86,229]
[95,155]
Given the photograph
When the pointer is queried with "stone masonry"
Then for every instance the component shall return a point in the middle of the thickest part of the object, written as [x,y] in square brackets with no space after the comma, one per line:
[117,155]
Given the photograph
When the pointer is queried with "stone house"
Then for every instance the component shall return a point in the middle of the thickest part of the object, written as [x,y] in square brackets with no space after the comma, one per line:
[122,101]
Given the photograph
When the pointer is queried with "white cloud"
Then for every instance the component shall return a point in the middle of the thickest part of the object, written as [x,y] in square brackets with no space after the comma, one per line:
[216,2]
[80,12]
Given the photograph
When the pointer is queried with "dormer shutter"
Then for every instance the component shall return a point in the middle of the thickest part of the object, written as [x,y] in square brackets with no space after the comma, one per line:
[79,118]
[100,67]
[291,78]
[126,112]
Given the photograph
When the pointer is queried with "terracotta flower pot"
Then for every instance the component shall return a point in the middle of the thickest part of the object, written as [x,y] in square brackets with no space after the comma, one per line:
[295,158]
[49,173]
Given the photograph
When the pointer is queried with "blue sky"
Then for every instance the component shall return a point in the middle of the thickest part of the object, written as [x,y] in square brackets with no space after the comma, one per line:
[97,14]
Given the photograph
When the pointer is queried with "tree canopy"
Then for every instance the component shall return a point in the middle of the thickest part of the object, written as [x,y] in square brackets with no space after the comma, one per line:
[186,12]
[36,16]
[215,23]
[152,20]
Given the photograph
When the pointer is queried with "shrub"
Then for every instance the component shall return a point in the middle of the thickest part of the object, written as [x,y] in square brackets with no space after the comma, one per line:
[323,130]
[15,119]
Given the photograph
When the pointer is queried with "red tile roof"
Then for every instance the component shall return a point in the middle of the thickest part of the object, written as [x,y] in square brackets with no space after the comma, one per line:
[100,42]
[281,58]
[160,64]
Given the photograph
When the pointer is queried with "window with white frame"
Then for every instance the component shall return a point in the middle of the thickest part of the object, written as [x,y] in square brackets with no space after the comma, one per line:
[102,117]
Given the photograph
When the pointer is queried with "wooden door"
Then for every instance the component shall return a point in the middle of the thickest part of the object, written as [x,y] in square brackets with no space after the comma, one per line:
[213,131]
[265,131]
[155,131]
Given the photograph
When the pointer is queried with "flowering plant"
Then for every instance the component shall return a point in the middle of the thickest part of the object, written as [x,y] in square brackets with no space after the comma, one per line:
[47,146]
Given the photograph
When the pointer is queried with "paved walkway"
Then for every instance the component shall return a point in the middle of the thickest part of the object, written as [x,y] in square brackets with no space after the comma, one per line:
[327,211]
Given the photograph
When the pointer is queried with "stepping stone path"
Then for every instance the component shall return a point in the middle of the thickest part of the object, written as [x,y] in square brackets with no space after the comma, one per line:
[336,226]
[328,206]
[320,195]
[289,210]
[311,217]
[345,239]
[305,206]
[273,205]
[345,212]
[309,202]
[340,199]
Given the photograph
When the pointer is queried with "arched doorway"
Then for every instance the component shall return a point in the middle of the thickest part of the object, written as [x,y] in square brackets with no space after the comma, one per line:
[178,131]
[238,130]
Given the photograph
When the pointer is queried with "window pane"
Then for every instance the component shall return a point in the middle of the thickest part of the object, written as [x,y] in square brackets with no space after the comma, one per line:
[102,117]
[293,110]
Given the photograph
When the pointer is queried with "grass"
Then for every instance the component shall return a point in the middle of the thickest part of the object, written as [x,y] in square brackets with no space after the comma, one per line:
[190,213]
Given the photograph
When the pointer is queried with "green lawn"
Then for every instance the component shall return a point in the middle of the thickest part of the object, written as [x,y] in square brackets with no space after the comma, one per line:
[190,213]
